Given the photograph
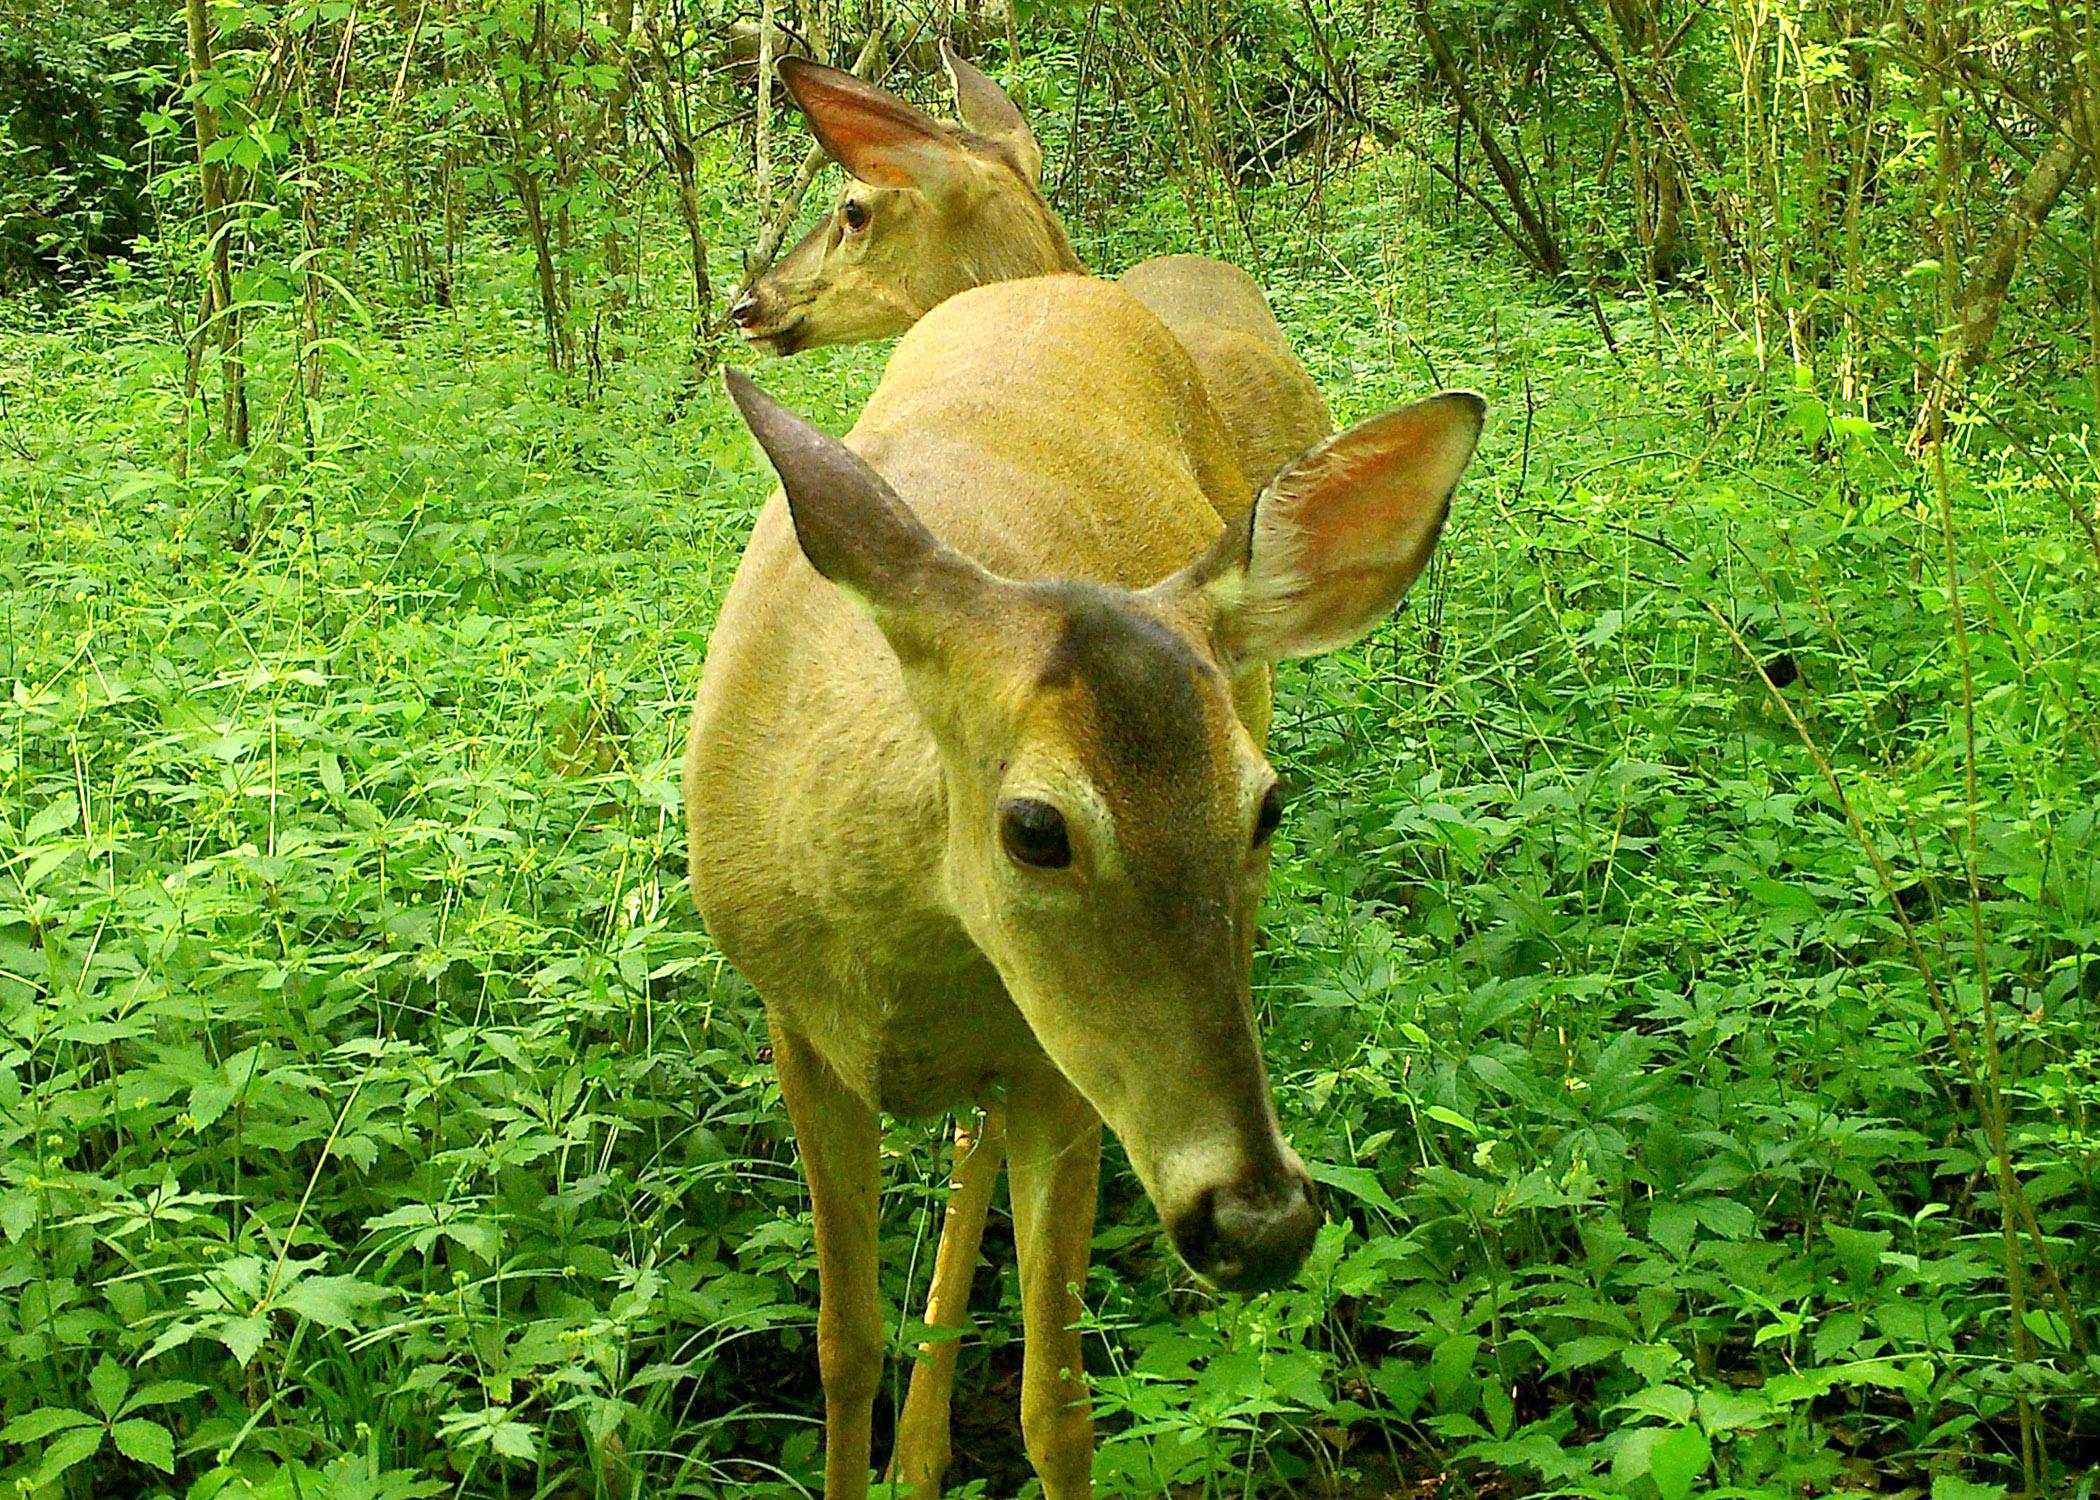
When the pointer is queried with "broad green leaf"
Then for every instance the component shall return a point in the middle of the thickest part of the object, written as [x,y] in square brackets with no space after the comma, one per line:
[2048,1325]
[1722,1410]
[1403,1384]
[1498,1406]
[1452,1363]
[1859,1250]
[1672,1403]
[244,1336]
[107,1383]
[515,1440]
[66,1450]
[1359,1183]
[160,1393]
[1673,1225]
[60,816]
[44,1421]
[147,1442]
[209,1102]
[331,1301]
[1781,896]
[1586,1349]
[1726,1217]
[1452,1118]
[1677,1462]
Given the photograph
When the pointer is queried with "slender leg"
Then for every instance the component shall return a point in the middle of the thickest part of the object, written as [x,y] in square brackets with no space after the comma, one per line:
[1054,1166]
[922,1432]
[839,1138]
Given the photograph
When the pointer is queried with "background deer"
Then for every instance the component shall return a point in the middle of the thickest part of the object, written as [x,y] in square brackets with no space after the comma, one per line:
[976,799]
[932,209]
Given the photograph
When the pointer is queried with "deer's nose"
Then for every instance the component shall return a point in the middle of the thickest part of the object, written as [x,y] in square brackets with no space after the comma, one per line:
[745,312]
[1253,1235]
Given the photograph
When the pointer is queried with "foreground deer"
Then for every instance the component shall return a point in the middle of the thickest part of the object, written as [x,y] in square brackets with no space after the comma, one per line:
[932,209]
[976,800]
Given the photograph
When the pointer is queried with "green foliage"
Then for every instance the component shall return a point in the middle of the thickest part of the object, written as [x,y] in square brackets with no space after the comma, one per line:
[377,1122]
[72,101]
[375,1110]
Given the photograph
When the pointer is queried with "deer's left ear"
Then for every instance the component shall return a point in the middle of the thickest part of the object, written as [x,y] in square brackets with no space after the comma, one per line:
[983,106]
[876,136]
[1336,539]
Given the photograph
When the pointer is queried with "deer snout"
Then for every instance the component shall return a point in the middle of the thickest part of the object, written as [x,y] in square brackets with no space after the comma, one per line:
[745,312]
[1254,1234]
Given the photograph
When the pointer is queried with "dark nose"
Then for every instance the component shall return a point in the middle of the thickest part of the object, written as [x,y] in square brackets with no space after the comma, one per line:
[1250,1236]
[745,312]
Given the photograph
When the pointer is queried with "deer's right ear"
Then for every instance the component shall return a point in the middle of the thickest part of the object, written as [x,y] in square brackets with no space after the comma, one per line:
[984,107]
[873,134]
[852,526]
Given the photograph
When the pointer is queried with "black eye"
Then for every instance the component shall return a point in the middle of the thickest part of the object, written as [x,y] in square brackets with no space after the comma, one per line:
[1034,834]
[1270,815]
[855,214]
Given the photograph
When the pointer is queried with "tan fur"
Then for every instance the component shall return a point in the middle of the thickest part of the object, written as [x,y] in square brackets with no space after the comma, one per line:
[976,799]
[825,860]
[1271,409]
[989,222]
[789,855]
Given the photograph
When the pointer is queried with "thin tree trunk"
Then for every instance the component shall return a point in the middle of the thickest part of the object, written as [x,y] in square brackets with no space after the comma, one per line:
[614,129]
[1978,302]
[1537,241]
[310,226]
[1984,301]
[762,127]
[526,115]
[1656,190]
[1984,1080]
[217,302]
[528,190]
[674,143]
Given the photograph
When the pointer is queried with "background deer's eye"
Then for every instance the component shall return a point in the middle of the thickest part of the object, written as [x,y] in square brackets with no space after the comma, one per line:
[1270,815]
[1034,834]
[854,214]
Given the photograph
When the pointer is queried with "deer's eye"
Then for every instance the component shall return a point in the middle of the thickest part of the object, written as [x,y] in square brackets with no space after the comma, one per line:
[1034,834]
[854,214]
[1270,815]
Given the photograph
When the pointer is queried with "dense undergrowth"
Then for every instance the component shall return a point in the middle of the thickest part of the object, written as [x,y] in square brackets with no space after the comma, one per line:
[377,1121]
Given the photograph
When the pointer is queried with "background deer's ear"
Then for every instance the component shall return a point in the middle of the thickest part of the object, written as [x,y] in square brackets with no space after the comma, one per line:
[983,106]
[874,135]
[1336,539]
[852,526]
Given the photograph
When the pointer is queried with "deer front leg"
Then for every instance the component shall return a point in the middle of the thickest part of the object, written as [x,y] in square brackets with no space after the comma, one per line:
[1054,1168]
[839,1137]
[921,1458]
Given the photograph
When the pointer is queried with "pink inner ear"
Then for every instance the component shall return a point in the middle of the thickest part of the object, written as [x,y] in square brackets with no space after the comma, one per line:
[871,139]
[1338,535]
[1341,535]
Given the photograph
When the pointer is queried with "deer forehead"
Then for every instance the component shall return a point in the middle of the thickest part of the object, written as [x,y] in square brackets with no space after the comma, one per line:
[1145,719]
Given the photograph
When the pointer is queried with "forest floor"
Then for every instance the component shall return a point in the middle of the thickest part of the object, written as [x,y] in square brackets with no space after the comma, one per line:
[376,1113]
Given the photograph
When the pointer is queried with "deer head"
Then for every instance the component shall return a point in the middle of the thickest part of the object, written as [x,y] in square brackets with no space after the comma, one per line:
[928,210]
